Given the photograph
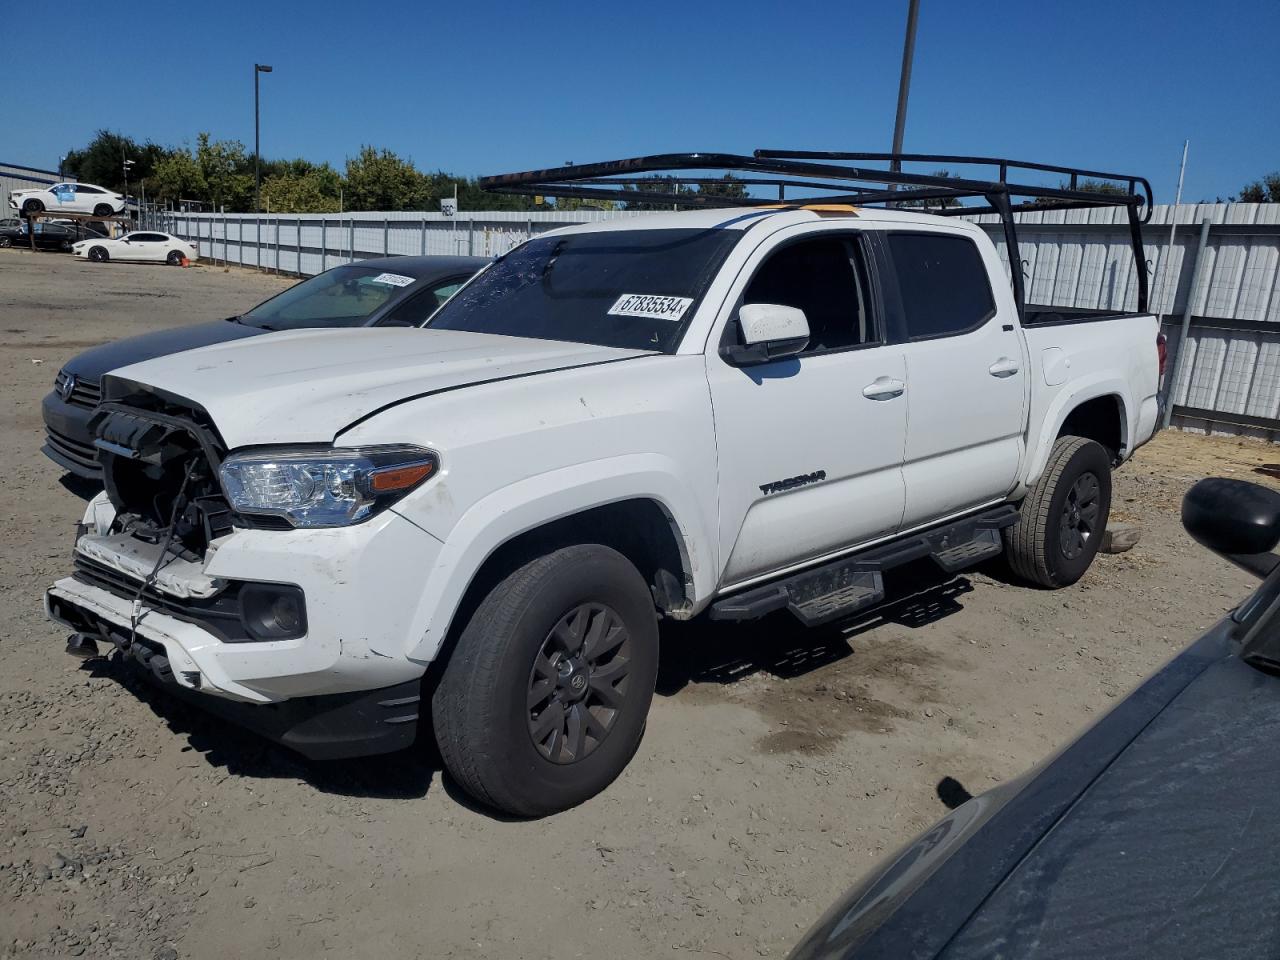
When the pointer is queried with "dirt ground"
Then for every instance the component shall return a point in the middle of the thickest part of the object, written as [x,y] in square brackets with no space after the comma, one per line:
[778,767]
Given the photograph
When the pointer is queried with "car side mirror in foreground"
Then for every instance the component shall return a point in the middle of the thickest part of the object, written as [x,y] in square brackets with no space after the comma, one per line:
[1241,521]
[770,331]
[1232,516]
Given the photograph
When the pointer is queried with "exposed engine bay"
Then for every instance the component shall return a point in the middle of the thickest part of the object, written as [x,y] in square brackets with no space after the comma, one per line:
[160,461]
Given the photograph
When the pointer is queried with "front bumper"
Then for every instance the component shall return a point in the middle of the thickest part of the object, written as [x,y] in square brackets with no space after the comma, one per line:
[67,441]
[327,727]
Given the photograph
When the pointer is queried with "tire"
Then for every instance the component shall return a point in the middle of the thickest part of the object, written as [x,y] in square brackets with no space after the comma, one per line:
[174,259]
[1061,522]
[99,254]
[32,206]
[6,242]
[65,246]
[103,210]
[512,675]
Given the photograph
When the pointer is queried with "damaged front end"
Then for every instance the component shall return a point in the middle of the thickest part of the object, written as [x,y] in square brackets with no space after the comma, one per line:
[237,647]
[160,460]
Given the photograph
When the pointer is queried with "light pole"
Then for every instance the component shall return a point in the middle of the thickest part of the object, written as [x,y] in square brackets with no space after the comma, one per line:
[127,164]
[257,155]
[904,85]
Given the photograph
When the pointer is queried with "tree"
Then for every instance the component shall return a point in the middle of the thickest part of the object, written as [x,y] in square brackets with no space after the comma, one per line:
[227,172]
[177,177]
[1266,190]
[101,161]
[299,186]
[940,203]
[380,180]
[728,186]
[655,183]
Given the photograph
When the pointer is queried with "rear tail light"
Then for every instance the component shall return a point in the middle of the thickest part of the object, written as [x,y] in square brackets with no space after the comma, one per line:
[1162,351]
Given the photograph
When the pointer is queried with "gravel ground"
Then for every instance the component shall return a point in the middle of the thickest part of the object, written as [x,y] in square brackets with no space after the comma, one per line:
[778,767]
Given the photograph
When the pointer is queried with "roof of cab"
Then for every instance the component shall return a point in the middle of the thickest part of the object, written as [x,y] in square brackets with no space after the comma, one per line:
[744,218]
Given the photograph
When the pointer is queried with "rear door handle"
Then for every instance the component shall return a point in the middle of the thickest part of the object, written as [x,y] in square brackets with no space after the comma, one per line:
[883,388]
[1004,367]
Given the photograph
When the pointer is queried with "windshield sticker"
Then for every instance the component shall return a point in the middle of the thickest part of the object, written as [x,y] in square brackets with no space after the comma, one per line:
[392,279]
[652,307]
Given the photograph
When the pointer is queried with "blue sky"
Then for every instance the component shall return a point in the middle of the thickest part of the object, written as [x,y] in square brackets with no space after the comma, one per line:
[479,88]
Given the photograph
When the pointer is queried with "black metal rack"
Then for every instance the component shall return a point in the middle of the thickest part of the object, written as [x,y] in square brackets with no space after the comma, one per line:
[658,179]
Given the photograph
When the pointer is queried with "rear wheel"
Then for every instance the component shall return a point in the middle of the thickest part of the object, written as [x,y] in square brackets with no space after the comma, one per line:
[32,206]
[1061,522]
[174,259]
[6,241]
[99,254]
[103,210]
[543,701]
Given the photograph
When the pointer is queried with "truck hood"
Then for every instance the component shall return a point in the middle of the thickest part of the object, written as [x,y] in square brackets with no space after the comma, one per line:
[306,386]
[94,363]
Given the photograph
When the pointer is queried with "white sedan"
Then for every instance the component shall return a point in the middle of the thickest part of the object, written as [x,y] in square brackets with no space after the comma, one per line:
[139,245]
[71,197]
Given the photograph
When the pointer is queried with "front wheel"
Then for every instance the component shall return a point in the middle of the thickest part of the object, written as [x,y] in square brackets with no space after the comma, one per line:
[103,210]
[99,254]
[32,206]
[6,242]
[174,259]
[1061,522]
[543,701]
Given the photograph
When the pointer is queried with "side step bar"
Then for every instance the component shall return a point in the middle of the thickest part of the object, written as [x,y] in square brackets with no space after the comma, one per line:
[856,582]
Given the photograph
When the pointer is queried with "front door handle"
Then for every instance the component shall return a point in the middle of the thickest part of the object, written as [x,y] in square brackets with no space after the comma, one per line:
[883,388]
[1004,367]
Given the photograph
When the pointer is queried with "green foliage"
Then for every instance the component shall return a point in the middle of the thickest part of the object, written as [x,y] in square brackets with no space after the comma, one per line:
[101,161]
[299,186]
[380,180]
[177,177]
[656,183]
[1266,190]
[219,173]
[942,203]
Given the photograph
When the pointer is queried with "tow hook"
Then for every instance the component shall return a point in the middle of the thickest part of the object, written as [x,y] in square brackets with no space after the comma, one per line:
[83,646]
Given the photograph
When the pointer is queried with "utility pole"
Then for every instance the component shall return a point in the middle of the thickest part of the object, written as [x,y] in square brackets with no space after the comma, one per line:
[257,154]
[904,84]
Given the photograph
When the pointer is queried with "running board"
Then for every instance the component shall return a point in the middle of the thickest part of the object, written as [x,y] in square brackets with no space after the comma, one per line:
[856,583]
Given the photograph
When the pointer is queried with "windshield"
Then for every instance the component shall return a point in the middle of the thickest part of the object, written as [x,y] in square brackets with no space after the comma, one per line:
[615,288]
[342,297]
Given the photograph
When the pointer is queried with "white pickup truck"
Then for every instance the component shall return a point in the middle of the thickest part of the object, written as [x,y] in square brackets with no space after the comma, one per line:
[324,534]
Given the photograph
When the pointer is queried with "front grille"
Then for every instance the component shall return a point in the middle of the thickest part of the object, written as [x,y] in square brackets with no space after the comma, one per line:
[84,393]
[82,453]
[219,614]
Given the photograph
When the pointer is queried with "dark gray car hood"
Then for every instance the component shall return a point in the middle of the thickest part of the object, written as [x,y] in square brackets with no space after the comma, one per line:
[94,363]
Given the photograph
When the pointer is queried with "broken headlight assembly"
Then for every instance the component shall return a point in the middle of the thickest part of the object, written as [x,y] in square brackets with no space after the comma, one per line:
[329,487]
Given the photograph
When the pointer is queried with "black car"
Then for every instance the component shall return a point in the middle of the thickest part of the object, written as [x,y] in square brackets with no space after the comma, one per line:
[1152,835]
[48,236]
[387,291]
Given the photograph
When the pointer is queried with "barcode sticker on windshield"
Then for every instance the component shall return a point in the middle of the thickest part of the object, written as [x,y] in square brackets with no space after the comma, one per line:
[647,305]
[393,279]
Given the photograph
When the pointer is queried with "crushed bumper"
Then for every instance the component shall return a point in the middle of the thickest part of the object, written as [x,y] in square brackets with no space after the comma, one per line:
[329,726]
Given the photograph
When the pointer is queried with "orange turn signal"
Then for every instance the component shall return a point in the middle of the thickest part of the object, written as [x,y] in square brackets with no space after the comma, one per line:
[400,478]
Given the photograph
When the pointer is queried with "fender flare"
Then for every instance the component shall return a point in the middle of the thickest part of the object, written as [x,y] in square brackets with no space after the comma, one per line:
[536,501]
[1081,391]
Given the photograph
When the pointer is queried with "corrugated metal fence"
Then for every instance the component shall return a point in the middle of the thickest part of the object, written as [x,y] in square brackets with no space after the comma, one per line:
[1229,376]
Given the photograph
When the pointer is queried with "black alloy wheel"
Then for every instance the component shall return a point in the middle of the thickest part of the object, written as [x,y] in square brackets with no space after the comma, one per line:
[578,683]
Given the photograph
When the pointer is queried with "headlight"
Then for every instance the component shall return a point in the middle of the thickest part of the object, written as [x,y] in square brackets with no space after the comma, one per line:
[324,488]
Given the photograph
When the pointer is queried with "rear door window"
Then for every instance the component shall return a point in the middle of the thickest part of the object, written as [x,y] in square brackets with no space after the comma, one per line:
[942,282]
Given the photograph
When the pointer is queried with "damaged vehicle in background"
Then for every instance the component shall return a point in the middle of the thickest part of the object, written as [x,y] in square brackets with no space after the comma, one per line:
[396,291]
[324,535]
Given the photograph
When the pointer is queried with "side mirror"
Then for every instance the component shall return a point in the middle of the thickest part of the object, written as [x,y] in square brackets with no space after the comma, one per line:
[770,331]
[1232,517]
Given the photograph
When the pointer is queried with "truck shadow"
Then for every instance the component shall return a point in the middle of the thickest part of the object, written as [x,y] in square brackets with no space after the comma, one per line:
[709,651]
[406,774]
[700,651]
